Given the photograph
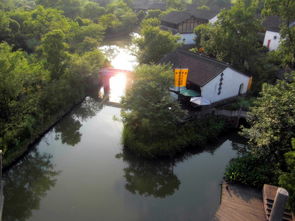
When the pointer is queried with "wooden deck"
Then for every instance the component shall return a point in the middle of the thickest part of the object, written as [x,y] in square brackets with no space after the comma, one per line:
[240,203]
[269,194]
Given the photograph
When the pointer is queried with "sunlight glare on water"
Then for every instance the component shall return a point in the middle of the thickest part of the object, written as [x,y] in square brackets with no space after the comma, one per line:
[120,58]
[117,87]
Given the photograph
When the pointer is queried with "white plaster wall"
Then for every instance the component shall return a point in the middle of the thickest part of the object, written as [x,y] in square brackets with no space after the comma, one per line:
[274,43]
[230,86]
[213,20]
[187,39]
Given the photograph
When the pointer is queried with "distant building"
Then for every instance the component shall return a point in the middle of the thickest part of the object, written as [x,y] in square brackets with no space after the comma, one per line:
[184,22]
[149,5]
[272,35]
[214,80]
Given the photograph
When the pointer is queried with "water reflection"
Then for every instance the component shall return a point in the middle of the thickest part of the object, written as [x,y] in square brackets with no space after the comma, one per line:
[121,53]
[68,129]
[117,87]
[149,178]
[120,58]
[114,87]
[156,177]
[26,184]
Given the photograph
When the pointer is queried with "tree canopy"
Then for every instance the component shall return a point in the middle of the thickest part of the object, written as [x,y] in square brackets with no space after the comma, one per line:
[154,43]
[272,120]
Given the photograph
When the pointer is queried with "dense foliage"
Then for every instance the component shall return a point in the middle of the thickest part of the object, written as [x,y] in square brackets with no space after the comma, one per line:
[285,10]
[269,157]
[234,39]
[153,125]
[287,179]
[154,43]
[48,61]
[251,170]
[272,120]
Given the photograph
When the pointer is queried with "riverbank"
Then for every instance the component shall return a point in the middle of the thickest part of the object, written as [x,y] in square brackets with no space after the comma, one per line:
[13,157]
[194,133]
[136,188]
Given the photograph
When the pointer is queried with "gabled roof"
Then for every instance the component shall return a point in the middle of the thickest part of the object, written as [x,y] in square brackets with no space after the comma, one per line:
[203,14]
[272,23]
[202,69]
[176,17]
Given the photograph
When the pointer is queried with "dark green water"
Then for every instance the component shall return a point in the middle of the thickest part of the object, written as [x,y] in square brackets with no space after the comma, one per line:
[78,171]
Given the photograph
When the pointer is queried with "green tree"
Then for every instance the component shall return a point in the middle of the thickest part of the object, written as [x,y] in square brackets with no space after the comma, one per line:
[287,179]
[124,19]
[88,64]
[93,11]
[272,121]
[110,22]
[86,37]
[28,27]
[150,22]
[285,9]
[154,43]
[234,37]
[53,49]
[149,113]
[21,80]
[4,26]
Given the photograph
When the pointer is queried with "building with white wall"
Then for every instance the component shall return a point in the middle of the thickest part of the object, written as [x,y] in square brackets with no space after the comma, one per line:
[272,37]
[214,80]
[183,23]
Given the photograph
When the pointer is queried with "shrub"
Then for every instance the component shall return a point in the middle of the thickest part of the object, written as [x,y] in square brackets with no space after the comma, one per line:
[252,171]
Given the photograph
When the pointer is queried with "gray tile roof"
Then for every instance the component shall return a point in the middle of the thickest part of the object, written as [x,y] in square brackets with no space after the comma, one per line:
[176,17]
[202,69]
[272,23]
[203,14]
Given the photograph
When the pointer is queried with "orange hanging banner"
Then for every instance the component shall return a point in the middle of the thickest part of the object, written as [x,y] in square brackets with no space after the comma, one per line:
[180,77]
[250,83]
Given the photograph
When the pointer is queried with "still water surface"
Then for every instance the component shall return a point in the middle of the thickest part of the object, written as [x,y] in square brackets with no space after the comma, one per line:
[79,171]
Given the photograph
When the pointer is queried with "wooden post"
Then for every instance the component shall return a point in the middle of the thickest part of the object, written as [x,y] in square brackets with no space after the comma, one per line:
[278,207]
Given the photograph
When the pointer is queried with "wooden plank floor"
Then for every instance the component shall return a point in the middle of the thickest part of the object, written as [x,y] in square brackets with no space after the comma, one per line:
[240,203]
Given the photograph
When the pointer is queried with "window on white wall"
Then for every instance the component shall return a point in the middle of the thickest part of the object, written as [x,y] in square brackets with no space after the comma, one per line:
[241,88]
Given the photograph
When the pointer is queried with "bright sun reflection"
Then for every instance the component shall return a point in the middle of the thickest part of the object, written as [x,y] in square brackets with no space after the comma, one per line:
[117,87]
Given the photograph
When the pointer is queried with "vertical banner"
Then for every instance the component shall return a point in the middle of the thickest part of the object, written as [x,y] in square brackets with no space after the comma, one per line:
[180,77]
[250,83]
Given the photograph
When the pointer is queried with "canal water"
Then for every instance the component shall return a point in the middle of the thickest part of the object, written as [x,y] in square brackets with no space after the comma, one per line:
[79,171]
